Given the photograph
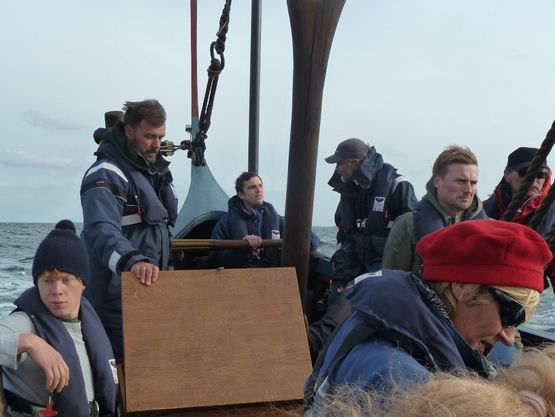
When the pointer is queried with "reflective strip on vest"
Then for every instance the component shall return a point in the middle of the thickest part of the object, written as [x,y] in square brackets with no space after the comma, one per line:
[113,261]
[131,219]
[109,167]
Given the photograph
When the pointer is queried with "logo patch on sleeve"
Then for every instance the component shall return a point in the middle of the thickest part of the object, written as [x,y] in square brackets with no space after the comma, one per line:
[379,204]
[114,369]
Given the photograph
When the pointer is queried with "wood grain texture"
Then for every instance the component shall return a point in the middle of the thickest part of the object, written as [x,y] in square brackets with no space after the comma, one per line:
[213,338]
[313,24]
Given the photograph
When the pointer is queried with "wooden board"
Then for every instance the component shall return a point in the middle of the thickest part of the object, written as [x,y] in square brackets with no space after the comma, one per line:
[213,338]
[267,410]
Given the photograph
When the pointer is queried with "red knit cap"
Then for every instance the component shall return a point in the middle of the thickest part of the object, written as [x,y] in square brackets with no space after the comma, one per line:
[487,252]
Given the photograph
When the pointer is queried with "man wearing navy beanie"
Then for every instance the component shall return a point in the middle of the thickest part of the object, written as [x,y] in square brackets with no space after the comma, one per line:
[62,249]
[69,365]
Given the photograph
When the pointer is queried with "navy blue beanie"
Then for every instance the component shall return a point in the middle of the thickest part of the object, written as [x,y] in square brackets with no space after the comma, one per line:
[62,249]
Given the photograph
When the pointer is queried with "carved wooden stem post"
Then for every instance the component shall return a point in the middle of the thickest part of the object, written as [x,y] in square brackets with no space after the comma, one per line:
[313,24]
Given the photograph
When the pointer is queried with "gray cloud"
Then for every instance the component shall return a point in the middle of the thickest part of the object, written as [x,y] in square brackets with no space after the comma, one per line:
[25,159]
[37,119]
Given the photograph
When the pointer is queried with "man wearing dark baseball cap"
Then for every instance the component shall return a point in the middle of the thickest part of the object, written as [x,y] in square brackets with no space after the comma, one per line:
[372,195]
[480,279]
[517,164]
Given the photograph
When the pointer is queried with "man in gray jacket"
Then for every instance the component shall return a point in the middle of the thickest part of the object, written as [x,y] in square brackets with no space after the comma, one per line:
[450,198]
[128,202]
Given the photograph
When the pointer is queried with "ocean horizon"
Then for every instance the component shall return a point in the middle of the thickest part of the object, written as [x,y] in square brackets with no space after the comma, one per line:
[18,243]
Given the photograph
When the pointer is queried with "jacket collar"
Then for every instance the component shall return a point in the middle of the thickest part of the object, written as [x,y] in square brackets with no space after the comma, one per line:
[116,137]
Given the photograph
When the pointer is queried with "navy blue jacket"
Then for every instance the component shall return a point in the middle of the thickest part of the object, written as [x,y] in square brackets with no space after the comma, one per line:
[128,206]
[236,224]
[413,336]
[369,203]
[72,400]
[428,219]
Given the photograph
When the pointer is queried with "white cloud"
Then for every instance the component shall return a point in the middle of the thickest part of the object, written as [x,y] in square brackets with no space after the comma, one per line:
[24,159]
[37,119]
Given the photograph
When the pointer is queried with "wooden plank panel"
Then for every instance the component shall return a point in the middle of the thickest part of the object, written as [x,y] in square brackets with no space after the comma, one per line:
[280,410]
[213,337]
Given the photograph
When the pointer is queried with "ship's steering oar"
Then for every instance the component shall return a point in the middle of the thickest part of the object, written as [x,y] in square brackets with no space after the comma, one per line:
[313,24]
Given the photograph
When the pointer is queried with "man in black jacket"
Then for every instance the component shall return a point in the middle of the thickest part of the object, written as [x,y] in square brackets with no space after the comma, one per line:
[372,194]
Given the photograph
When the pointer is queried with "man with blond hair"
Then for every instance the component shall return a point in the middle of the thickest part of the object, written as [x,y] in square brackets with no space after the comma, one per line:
[450,198]
[480,279]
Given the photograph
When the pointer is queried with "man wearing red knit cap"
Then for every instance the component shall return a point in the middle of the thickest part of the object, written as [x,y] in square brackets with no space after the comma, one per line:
[480,279]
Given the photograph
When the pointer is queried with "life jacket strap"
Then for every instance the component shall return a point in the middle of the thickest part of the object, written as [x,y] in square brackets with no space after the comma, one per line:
[131,219]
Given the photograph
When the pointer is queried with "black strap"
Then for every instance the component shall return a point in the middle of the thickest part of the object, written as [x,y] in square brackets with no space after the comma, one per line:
[19,404]
[358,334]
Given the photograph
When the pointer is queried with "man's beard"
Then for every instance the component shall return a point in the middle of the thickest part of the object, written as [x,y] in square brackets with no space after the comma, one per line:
[150,158]
[345,179]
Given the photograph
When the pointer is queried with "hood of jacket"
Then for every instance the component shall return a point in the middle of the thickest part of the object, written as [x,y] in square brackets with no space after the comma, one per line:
[420,318]
[471,212]
[235,204]
[503,189]
[363,175]
[114,137]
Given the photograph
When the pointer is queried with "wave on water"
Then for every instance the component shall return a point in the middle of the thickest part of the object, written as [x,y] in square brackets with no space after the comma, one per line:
[14,268]
[18,242]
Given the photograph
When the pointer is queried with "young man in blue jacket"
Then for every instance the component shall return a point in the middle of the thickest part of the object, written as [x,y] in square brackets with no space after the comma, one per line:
[253,219]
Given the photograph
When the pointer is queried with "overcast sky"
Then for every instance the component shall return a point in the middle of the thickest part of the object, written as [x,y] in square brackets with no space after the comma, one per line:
[409,77]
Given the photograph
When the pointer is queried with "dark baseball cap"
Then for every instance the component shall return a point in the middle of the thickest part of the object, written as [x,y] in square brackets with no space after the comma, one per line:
[352,148]
[522,158]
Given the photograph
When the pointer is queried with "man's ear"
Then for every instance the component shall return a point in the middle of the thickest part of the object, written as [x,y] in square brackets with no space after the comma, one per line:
[241,195]
[506,173]
[435,179]
[129,131]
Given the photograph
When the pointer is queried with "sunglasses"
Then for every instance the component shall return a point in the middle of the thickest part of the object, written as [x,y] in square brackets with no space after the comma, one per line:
[540,175]
[512,313]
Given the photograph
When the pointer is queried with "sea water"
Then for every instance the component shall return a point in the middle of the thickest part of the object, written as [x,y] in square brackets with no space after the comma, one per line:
[19,241]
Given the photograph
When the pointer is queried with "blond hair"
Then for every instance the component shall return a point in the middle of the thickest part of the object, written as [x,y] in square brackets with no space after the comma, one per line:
[533,370]
[525,389]
[479,294]
[443,395]
[476,294]
[453,154]
[526,297]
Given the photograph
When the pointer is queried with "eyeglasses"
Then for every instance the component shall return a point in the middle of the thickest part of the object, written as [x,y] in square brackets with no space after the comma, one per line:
[540,175]
[512,312]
